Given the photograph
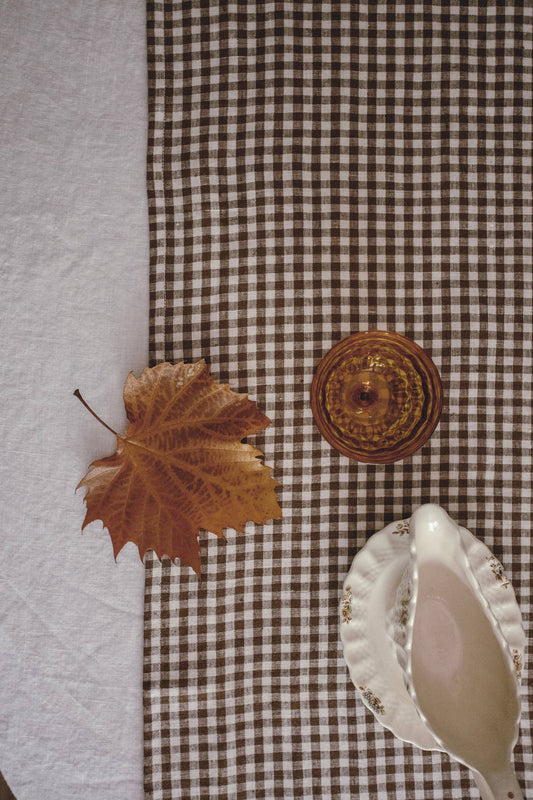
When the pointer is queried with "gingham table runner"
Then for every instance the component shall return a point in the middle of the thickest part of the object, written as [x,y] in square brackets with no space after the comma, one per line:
[315,169]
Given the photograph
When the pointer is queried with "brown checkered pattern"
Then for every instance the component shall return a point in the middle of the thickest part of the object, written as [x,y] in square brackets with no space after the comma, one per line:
[315,169]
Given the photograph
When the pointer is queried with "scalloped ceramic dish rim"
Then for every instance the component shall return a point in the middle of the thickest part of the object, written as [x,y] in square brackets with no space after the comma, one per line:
[513,628]
[376,666]
[384,456]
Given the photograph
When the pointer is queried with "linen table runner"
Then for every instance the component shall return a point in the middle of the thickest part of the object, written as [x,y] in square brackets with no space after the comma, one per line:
[315,169]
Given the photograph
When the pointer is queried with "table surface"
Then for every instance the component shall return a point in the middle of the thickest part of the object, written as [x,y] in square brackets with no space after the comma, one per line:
[74,314]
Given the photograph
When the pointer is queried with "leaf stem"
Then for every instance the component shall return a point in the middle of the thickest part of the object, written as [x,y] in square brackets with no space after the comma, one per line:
[77,394]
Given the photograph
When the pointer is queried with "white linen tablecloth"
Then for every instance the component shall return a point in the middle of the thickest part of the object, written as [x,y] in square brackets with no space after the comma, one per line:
[74,313]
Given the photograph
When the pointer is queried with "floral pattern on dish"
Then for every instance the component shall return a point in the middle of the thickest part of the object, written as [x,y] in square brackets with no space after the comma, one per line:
[498,571]
[346,604]
[518,664]
[373,701]
[402,527]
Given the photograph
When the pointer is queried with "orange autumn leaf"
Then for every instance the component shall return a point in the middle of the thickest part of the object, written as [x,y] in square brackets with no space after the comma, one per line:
[181,465]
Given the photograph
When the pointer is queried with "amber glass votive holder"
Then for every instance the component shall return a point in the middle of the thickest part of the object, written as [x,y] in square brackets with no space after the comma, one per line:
[376,397]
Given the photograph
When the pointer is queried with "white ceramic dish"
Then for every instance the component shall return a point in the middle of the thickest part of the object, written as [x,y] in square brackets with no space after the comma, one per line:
[369,594]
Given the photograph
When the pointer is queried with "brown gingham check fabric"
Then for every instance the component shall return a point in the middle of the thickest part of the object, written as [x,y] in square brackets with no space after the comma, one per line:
[316,169]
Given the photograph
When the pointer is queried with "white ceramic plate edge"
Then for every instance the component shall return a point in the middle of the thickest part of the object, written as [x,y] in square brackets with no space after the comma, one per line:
[368,592]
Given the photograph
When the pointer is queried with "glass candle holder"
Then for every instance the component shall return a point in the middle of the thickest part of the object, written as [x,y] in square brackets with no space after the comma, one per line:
[376,397]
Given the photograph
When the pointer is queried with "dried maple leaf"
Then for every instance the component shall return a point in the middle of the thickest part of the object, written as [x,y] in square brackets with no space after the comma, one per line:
[181,465]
